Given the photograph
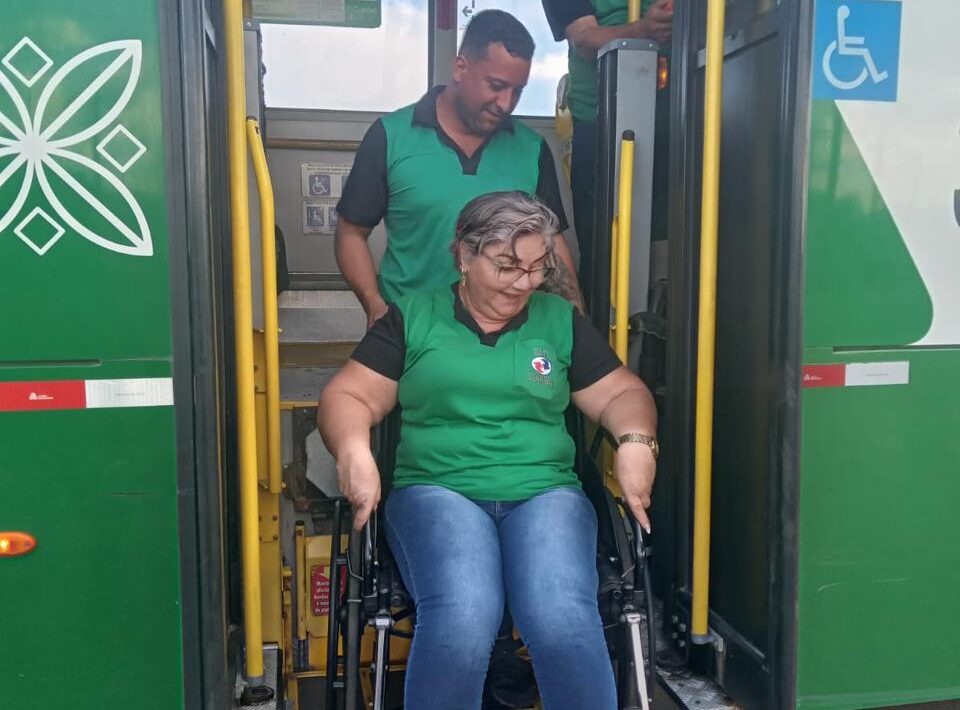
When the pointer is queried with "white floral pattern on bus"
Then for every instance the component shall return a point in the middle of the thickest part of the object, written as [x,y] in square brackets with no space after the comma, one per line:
[36,145]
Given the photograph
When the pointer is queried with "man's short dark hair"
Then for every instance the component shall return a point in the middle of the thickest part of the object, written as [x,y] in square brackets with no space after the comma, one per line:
[491,26]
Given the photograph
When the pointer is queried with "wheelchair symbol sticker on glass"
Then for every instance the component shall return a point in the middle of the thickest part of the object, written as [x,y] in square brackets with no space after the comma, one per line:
[856,53]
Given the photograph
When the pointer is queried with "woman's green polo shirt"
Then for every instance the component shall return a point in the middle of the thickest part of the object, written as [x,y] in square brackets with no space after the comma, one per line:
[483,414]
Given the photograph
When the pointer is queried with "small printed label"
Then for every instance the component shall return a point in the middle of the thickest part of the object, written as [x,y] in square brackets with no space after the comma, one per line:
[138,392]
[870,374]
[823,376]
[86,394]
[857,374]
[319,591]
[320,588]
[34,396]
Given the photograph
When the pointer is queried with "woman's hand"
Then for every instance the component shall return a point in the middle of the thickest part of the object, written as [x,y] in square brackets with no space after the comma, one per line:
[356,399]
[360,483]
[636,468]
[623,405]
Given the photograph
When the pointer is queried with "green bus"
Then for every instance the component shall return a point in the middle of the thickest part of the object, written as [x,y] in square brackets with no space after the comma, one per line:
[165,530]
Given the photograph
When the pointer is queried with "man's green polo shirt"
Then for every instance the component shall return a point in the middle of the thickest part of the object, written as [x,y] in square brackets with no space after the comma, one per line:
[483,413]
[411,174]
[582,95]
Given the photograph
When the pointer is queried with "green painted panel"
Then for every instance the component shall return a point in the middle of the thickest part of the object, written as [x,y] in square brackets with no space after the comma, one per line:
[84,276]
[90,292]
[879,585]
[97,604]
[879,595]
[862,287]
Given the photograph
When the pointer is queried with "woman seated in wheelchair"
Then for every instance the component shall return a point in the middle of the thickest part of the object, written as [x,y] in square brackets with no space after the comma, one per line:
[485,506]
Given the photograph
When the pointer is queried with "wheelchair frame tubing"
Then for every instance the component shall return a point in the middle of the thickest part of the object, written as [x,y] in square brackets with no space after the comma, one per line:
[354,630]
[333,614]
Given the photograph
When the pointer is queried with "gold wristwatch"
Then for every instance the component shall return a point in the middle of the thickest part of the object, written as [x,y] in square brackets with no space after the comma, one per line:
[650,441]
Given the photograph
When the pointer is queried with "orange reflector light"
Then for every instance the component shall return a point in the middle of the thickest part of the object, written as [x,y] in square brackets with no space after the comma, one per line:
[14,544]
[663,72]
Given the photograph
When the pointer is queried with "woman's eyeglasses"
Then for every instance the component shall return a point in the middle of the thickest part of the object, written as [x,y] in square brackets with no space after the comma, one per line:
[512,274]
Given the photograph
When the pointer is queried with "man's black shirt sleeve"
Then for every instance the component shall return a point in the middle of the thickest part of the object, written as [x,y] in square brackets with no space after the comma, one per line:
[384,347]
[548,190]
[561,13]
[592,358]
[364,199]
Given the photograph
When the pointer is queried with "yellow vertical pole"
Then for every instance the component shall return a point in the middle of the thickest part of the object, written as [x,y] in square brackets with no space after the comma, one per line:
[633,10]
[620,267]
[624,220]
[243,326]
[614,256]
[707,324]
[271,329]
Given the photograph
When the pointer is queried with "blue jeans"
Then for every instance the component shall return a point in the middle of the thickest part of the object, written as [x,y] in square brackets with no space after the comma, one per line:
[461,559]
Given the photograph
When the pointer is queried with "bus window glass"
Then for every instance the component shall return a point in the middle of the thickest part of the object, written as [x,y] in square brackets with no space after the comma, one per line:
[549,58]
[348,68]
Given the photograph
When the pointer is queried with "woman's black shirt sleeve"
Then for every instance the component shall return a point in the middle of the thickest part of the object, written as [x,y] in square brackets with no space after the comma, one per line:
[384,348]
[592,358]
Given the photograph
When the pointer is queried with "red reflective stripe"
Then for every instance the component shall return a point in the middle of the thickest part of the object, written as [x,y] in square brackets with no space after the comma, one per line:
[30,396]
[824,375]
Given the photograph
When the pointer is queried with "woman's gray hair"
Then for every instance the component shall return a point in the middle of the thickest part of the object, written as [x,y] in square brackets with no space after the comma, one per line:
[501,218]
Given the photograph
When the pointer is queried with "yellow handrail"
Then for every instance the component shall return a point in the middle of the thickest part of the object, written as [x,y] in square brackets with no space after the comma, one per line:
[633,10]
[243,327]
[624,220]
[301,552]
[271,330]
[707,328]
[614,251]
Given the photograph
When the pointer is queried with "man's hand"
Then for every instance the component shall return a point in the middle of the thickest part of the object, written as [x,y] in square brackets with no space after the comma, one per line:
[636,469]
[376,309]
[564,280]
[657,23]
[356,265]
[360,483]
[564,284]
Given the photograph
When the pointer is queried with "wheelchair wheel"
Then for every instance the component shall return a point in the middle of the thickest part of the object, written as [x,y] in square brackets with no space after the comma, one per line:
[345,616]
[633,592]
[370,598]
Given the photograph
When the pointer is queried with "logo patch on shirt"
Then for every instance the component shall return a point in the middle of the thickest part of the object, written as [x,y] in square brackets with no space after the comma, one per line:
[541,365]
[538,375]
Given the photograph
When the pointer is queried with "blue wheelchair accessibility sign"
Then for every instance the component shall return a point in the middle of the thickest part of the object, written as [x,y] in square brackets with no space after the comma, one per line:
[856,50]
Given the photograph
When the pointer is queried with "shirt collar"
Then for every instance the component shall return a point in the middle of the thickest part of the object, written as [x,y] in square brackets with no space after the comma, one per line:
[425,111]
[461,313]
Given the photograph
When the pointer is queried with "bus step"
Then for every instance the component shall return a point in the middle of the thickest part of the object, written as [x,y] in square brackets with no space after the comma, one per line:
[694,692]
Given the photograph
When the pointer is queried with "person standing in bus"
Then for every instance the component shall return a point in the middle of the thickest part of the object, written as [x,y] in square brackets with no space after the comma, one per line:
[588,25]
[417,167]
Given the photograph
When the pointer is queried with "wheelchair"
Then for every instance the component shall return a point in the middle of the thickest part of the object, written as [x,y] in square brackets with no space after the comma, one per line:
[366,591]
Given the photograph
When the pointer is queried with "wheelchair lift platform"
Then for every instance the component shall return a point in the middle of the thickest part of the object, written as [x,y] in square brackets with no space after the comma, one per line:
[689,691]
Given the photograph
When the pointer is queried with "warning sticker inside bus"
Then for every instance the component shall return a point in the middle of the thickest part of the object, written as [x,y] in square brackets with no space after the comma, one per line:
[320,589]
